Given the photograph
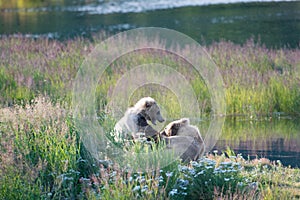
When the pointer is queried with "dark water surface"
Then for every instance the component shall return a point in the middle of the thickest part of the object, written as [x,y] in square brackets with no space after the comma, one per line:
[276,23]
[275,139]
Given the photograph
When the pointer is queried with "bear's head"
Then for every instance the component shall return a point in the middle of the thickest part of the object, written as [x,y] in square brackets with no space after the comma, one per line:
[172,128]
[149,109]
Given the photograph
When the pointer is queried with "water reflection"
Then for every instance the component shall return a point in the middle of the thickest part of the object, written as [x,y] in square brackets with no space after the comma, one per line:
[20,4]
[273,139]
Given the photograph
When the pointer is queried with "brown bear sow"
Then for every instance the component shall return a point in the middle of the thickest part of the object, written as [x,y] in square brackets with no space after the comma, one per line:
[184,139]
[134,122]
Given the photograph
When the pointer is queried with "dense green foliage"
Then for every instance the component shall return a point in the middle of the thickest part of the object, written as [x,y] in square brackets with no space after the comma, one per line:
[41,154]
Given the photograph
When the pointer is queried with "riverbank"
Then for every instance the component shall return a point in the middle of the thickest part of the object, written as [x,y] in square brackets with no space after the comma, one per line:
[42,157]
[258,81]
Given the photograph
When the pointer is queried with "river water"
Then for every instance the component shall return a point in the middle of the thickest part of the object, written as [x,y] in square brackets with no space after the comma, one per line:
[275,139]
[274,23]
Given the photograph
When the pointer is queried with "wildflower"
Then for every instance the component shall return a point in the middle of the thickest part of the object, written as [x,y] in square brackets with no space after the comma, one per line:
[141,179]
[160,179]
[240,184]
[173,192]
[199,173]
[183,193]
[226,163]
[181,168]
[209,167]
[253,185]
[182,187]
[82,179]
[265,167]
[169,174]
[194,163]
[136,188]
[145,188]
[184,182]
[226,179]
[278,161]
[114,173]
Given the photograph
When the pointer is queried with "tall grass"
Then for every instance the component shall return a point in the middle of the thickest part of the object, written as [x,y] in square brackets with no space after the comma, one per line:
[30,67]
[41,154]
[42,158]
[258,81]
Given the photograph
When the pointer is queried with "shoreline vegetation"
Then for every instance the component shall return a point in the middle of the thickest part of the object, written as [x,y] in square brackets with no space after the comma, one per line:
[257,81]
[42,156]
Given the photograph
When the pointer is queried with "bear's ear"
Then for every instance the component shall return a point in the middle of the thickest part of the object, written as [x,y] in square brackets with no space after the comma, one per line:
[148,104]
[185,121]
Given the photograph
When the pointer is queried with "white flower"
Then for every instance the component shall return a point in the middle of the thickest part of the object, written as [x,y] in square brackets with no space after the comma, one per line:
[169,174]
[136,188]
[199,173]
[226,163]
[141,179]
[192,171]
[160,178]
[145,188]
[184,182]
[209,167]
[173,192]
[114,173]
[240,184]
[130,179]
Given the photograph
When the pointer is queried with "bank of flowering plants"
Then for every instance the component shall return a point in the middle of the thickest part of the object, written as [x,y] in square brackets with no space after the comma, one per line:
[203,179]
[42,157]
[206,176]
[211,177]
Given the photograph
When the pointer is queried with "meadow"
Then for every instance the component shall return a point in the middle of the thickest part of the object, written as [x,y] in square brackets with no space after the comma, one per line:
[257,80]
[42,156]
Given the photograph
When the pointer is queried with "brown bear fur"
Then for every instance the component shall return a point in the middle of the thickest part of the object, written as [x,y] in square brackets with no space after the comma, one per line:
[134,122]
[184,139]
